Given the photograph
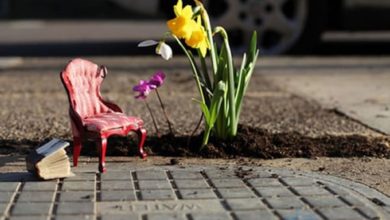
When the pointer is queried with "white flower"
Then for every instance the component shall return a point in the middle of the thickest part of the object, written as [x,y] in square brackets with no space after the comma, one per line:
[147,43]
[164,50]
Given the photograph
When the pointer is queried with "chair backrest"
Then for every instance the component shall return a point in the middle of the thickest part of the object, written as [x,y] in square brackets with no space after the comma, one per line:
[82,80]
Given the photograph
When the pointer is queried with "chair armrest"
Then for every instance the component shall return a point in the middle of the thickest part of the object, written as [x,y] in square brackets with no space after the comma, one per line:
[112,106]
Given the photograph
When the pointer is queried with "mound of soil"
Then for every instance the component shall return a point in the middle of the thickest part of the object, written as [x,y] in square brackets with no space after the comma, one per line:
[253,142]
[249,142]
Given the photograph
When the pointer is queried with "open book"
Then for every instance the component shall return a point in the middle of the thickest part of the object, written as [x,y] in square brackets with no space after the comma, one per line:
[50,160]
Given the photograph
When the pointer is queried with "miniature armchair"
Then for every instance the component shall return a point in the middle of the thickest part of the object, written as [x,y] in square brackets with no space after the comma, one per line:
[91,116]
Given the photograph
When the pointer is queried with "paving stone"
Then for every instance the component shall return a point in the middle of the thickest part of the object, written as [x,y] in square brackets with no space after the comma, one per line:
[371,214]
[245,204]
[338,190]
[73,217]
[325,201]
[311,190]
[285,202]
[283,173]
[189,184]
[29,208]
[236,193]
[151,175]
[186,175]
[223,183]
[78,186]
[344,213]
[220,174]
[298,181]
[210,216]
[118,195]
[6,196]
[197,194]
[117,185]
[165,216]
[274,191]
[261,174]
[352,200]
[154,184]
[157,194]
[8,186]
[77,196]
[299,214]
[123,175]
[76,208]
[120,217]
[264,182]
[82,177]
[41,217]
[30,196]
[255,215]
[40,186]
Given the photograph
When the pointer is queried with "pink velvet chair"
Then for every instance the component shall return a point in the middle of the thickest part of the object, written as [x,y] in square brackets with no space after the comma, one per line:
[91,116]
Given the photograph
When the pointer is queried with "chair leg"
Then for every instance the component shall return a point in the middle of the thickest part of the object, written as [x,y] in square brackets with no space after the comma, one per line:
[141,141]
[76,150]
[102,158]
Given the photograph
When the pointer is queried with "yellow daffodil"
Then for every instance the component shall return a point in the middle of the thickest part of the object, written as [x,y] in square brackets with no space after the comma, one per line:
[198,39]
[182,26]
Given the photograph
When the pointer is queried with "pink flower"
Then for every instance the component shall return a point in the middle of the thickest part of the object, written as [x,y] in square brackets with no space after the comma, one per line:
[157,80]
[143,88]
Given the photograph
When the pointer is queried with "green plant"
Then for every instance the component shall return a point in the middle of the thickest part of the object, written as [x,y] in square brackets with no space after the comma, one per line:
[221,91]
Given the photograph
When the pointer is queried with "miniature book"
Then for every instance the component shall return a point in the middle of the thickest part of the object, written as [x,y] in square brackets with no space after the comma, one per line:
[50,160]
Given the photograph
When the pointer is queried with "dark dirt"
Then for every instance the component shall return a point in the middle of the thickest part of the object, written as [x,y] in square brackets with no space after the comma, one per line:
[256,143]
[276,124]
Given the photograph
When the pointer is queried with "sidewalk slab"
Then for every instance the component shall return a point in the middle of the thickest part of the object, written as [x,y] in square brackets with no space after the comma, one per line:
[359,90]
[160,192]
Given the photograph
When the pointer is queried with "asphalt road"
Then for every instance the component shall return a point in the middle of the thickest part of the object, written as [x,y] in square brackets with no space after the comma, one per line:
[356,86]
[120,37]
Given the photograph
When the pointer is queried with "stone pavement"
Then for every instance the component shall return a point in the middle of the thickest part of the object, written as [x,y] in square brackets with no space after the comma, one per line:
[128,191]
[353,86]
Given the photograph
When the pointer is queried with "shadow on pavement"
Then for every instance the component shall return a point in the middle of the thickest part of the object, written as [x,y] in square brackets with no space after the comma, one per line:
[17,177]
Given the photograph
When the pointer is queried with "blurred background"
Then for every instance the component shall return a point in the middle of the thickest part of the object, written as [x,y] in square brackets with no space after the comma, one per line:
[114,27]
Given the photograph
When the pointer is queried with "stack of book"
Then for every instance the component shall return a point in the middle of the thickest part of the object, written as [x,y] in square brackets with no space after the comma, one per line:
[50,160]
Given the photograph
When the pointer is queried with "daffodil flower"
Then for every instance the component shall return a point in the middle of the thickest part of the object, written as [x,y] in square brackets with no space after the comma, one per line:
[198,39]
[182,26]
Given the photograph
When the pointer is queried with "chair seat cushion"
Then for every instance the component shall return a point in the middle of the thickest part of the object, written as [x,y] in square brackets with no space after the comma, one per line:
[109,121]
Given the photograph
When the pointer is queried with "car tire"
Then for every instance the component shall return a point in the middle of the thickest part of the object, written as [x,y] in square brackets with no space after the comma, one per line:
[293,26]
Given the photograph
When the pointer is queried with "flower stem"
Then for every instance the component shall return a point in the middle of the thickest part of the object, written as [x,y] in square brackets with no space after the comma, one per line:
[207,25]
[231,84]
[194,131]
[165,112]
[153,119]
